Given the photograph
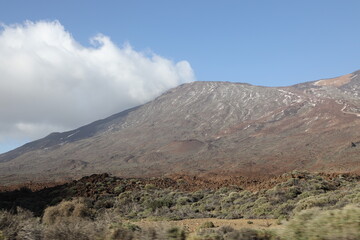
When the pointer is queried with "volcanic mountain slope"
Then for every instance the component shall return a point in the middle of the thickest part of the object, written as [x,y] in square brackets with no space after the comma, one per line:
[204,127]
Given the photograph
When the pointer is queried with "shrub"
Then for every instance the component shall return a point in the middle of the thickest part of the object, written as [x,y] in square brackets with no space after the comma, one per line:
[183,200]
[206,235]
[150,186]
[124,231]
[159,203]
[175,234]
[248,234]
[65,209]
[12,224]
[121,234]
[232,215]
[262,211]
[228,233]
[132,227]
[71,229]
[207,224]
[284,209]
[322,200]
[119,189]
[104,203]
[150,234]
[314,224]
[31,229]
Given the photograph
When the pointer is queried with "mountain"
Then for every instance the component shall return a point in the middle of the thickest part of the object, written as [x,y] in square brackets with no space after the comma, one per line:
[208,127]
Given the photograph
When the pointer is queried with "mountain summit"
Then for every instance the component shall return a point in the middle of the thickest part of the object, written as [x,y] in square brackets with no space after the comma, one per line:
[204,127]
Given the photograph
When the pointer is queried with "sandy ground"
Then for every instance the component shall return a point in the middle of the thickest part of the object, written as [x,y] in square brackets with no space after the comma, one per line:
[192,225]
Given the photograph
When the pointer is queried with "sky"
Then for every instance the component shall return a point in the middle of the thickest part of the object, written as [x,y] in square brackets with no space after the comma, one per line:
[67,63]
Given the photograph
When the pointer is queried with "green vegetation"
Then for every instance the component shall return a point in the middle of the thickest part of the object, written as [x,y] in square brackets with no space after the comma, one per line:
[315,224]
[282,201]
[311,224]
[310,206]
[207,224]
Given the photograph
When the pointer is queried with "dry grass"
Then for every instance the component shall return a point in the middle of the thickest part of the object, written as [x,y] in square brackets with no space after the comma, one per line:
[192,225]
[66,209]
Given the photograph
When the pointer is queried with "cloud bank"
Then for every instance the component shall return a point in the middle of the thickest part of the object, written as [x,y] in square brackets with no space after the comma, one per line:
[49,82]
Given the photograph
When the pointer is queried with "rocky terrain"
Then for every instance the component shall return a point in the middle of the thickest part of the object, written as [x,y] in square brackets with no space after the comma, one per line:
[207,128]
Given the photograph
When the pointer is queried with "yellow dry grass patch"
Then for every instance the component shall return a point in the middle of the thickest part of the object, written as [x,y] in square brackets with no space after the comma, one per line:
[192,225]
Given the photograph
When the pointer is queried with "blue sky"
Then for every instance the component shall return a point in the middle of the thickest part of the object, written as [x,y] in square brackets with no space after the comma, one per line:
[270,43]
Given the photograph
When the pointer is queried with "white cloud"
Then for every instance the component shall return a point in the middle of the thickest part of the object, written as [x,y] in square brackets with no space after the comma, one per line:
[49,82]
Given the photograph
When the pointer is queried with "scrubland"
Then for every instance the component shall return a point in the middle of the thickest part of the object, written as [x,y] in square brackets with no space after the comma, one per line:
[303,206]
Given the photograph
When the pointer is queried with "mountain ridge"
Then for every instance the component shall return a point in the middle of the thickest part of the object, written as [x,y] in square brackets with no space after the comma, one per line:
[204,127]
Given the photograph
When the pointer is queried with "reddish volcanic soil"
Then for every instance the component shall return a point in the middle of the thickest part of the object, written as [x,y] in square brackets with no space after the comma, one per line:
[179,182]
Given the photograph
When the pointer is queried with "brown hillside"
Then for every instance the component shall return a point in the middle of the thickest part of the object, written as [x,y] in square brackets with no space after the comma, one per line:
[208,127]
